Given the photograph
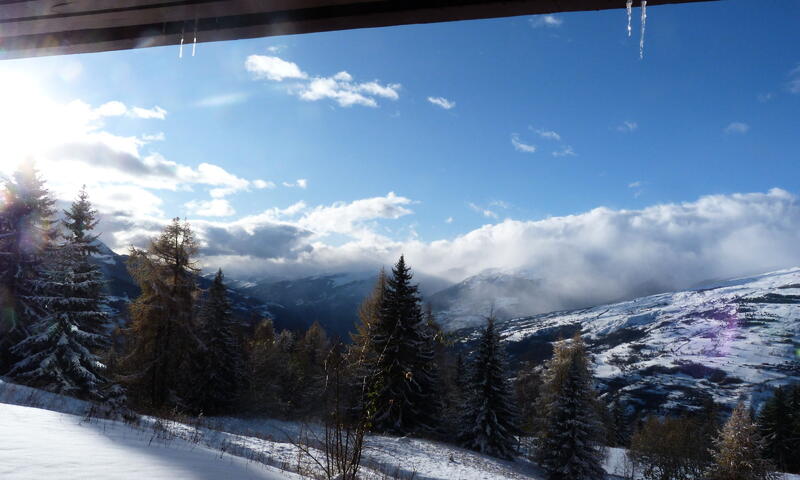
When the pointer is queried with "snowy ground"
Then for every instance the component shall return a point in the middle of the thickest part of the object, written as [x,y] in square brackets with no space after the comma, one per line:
[55,439]
[37,444]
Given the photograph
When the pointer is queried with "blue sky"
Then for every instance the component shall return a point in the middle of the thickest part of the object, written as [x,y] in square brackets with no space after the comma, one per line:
[712,109]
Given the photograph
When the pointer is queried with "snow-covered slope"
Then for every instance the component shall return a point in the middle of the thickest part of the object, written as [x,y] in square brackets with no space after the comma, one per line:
[56,440]
[467,303]
[506,293]
[738,337]
[37,444]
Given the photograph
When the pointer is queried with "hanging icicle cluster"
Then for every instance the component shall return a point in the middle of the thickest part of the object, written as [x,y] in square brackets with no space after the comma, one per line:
[180,49]
[644,22]
[194,41]
[629,11]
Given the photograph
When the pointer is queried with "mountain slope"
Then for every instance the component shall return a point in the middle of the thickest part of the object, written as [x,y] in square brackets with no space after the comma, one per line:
[122,289]
[331,300]
[667,351]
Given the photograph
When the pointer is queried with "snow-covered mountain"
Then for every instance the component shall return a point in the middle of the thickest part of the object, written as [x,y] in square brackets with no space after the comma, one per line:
[504,293]
[665,351]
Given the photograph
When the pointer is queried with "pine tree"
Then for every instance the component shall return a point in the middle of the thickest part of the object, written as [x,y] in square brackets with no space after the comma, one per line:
[403,385]
[568,444]
[222,366]
[490,420]
[262,365]
[737,450]
[778,426]
[619,432]
[61,355]
[27,235]
[310,355]
[163,342]
[88,282]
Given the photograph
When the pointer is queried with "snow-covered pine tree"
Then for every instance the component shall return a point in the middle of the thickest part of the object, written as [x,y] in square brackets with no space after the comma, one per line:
[737,450]
[60,356]
[90,309]
[568,443]
[222,365]
[27,234]
[403,385]
[490,419]
[163,341]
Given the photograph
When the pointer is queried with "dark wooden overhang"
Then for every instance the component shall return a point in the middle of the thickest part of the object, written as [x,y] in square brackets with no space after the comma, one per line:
[31,28]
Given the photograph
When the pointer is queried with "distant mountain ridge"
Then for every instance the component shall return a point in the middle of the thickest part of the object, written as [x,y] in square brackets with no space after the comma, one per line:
[122,289]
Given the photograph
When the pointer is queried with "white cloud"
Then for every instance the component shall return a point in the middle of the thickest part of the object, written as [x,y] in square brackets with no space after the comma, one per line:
[548,134]
[348,218]
[765,97]
[340,87]
[442,102]
[737,128]
[794,80]
[627,127]
[276,48]
[154,137]
[520,146]
[273,68]
[148,113]
[262,184]
[217,207]
[566,151]
[550,21]
[222,100]
[483,211]
[577,257]
[448,220]
[346,93]
[636,184]
[300,183]
[116,108]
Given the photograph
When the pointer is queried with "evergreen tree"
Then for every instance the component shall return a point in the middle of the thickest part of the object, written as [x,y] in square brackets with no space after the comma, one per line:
[222,366]
[778,425]
[403,385]
[27,235]
[263,365]
[737,450]
[619,432]
[159,366]
[490,419]
[568,444]
[310,355]
[87,280]
[60,356]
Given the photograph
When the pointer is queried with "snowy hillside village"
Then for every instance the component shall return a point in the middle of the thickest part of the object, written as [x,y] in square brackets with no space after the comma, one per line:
[184,376]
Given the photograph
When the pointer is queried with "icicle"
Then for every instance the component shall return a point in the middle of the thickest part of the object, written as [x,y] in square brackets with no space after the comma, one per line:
[629,8]
[180,49]
[194,42]
[644,21]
